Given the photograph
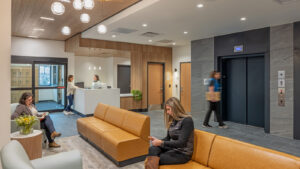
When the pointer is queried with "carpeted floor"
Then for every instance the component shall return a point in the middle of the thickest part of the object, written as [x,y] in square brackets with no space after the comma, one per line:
[92,158]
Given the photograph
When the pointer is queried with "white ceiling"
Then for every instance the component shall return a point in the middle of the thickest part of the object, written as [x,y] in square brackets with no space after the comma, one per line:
[171,18]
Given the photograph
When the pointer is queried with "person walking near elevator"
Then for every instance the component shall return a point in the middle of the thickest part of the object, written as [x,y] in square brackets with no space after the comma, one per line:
[213,97]
[70,94]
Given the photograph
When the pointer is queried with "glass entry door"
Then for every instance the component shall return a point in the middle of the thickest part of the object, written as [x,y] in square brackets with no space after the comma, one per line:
[46,81]
[49,86]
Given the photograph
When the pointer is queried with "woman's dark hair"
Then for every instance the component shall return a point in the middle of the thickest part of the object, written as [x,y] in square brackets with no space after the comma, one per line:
[69,77]
[97,78]
[25,96]
[213,73]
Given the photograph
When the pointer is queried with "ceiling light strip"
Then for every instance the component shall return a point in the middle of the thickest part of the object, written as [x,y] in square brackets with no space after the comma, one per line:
[47,18]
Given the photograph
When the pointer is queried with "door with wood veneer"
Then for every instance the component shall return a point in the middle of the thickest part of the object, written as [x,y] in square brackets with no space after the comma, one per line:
[155,83]
[185,86]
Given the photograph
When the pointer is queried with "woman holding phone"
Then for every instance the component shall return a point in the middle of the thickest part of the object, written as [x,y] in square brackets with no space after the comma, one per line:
[177,146]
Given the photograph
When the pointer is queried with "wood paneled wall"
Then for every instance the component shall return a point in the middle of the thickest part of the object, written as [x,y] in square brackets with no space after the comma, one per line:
[129,103]
[141,55]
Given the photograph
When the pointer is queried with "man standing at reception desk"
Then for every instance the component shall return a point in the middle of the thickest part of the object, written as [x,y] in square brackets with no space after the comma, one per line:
[70,94]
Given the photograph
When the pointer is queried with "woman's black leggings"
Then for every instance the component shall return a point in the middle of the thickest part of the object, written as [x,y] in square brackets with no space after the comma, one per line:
[168,157]
[213,106]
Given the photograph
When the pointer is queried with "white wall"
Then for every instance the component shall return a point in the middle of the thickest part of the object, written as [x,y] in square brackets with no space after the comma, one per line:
[84,74]
[41,48]
[180,54]
[108,72]
[5,43]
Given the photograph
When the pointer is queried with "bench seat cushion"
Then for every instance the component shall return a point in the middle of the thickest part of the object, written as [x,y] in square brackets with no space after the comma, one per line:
[122,145]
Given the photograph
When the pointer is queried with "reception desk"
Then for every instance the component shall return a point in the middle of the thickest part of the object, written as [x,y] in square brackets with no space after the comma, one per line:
[86,100]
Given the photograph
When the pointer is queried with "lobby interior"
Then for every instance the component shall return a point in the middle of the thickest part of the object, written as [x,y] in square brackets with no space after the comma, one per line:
[145,52]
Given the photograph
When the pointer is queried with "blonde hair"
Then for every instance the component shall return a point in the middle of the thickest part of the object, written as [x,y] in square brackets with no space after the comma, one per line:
[177,109]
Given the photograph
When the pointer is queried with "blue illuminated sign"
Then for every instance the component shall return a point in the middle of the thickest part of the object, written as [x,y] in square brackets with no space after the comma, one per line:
[239,48]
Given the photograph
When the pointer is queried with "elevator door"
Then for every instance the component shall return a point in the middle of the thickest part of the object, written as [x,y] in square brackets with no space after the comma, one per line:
[255,91]
[244,90]
[236,90]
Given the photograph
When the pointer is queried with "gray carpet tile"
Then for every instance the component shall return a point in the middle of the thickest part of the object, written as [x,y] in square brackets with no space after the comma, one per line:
[65,124]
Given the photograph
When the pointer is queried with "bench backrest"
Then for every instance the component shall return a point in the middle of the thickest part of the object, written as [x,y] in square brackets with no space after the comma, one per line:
[202,145]
[227,153]
[135,123]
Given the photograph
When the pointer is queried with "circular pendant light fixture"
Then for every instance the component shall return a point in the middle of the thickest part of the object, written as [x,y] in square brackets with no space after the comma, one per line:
[102,29]
[66,30]
[88,4]
[85,18]
[77,4]
[57,8]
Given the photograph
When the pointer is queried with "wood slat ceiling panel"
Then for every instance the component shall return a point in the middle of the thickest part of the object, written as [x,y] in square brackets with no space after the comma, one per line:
[26,16]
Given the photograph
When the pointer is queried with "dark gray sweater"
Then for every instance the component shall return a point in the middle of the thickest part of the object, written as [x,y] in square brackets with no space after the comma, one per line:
[181,136]
[21,110]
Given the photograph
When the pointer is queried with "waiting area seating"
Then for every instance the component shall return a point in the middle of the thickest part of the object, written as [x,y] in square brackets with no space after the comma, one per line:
[217,152]
[13,156]
[120,134]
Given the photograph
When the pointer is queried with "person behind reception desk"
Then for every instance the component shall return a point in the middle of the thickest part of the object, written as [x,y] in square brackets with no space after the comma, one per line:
[97,83]
[70,94]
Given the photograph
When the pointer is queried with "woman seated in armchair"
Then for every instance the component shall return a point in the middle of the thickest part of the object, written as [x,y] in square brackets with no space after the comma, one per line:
[177,147]
[26,107]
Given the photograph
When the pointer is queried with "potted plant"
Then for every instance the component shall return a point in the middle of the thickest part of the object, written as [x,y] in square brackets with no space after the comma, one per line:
[137,95]
[25,123]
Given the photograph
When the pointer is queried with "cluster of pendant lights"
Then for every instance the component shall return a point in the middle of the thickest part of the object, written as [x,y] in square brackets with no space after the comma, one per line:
[58,8]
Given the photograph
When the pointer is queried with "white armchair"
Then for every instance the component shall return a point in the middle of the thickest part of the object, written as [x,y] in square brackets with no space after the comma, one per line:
[13,156]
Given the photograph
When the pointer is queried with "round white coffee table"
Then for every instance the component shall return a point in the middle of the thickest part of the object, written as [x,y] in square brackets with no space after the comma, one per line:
[32,143]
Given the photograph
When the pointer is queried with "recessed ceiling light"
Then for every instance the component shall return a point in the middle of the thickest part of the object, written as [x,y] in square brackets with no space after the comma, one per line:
[77,4]
[243,18]
[67,1]
[185,32]
[113,36]
[66,30]
[32,36]
[173,43]
[102,29]
[88,4]
[46,18]
[144,25]
[149,40]
[38,29]
[85,18]
[200,5]
[57,8]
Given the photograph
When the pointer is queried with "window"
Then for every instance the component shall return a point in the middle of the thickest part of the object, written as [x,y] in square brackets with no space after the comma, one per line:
[44,75]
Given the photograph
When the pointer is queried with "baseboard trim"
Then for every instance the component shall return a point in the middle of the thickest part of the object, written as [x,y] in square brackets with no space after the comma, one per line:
[139,110]
[118,163]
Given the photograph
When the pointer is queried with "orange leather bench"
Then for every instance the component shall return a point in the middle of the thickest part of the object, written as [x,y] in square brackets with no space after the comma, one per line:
[120,134]
[217,152]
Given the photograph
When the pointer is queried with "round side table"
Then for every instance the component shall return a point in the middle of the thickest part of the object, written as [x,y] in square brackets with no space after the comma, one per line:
[32,143]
